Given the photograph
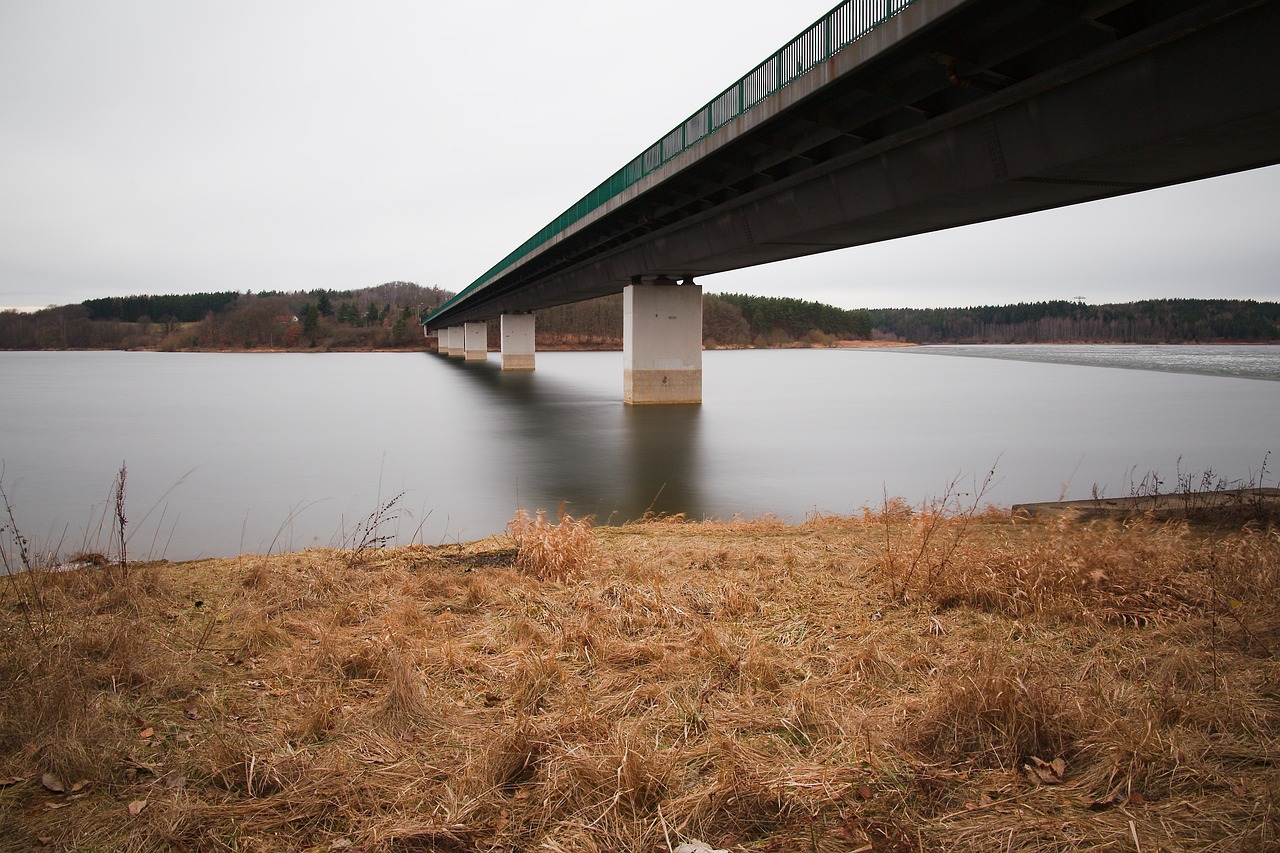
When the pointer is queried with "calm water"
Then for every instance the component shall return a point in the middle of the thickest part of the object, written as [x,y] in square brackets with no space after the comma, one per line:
[230,453]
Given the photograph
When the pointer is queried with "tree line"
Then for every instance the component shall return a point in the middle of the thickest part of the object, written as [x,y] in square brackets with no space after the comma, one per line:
[369,318]
[1145,322]
[728,320]
[181,308]
[388,315]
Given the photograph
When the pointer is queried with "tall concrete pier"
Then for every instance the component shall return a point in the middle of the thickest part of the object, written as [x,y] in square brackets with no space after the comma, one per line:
[475,336]
[517,341]
[455,348]
[662,343]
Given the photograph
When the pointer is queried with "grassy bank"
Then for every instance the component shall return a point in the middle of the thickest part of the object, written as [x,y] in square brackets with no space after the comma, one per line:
[900,681]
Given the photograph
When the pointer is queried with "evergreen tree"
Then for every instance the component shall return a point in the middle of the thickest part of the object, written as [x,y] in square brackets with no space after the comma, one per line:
[310,317]
[348,314]
[400,331]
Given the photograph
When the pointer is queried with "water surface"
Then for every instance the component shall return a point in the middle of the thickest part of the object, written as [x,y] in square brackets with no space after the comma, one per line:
[231,453]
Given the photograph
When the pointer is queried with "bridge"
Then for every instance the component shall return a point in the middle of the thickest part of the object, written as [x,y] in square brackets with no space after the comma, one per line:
[884,119]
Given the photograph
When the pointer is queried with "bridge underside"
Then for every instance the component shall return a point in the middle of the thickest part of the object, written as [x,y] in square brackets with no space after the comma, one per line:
[982,109]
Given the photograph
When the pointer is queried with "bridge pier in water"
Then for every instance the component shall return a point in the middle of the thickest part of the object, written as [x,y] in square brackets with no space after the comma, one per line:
[662,343]
[452,341]
[517,341]
[475,341]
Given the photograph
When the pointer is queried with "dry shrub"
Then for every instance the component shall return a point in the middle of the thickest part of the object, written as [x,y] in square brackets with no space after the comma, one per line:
[996,713]
[555,552]
[922,548]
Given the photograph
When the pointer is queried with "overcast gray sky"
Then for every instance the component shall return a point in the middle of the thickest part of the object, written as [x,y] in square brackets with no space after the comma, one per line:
[160,146]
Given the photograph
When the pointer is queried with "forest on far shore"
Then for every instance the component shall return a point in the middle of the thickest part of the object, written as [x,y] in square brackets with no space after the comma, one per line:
[388,317]
[381,317]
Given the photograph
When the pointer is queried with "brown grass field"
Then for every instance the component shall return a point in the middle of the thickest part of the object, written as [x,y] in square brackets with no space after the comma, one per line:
[906,680]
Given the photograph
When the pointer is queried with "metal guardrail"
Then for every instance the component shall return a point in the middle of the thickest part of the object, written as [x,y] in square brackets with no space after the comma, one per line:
[843,25]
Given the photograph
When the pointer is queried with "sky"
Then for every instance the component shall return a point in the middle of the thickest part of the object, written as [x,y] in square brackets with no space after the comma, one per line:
[152,146]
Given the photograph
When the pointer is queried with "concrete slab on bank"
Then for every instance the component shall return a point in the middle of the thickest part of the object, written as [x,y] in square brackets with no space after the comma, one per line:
[1218,505]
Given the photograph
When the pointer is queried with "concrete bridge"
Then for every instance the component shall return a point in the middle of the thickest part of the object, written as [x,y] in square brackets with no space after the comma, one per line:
[884,119]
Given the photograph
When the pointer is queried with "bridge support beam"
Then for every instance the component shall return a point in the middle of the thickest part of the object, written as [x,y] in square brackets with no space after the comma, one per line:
[662,343]
[453,342]
[475,341]
[517,341]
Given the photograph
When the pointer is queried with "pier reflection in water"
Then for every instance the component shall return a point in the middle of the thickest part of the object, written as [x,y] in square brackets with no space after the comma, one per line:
[562,442]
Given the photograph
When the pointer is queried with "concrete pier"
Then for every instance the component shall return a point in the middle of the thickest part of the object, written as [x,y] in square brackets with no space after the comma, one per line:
[517,341]
[476,341]
[454,349]
[662,343]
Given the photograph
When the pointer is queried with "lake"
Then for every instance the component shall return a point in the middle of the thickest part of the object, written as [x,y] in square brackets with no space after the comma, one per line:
[234,453]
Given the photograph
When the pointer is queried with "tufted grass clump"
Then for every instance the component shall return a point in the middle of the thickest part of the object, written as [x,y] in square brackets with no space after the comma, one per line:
[552,552]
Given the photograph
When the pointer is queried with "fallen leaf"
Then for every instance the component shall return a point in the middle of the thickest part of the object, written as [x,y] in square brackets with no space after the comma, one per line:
[136,807]
[79,785]
[147,732]
[175,780]
[4,783]
[864,792]
[53,783]
[1045,772]
[340,844]
[45,840]
[56,805]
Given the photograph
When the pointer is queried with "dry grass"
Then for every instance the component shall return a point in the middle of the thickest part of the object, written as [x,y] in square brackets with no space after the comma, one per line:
[903,681]
[555,552]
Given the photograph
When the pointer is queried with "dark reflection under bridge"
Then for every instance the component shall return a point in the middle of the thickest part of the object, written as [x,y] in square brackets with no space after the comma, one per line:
[617,463]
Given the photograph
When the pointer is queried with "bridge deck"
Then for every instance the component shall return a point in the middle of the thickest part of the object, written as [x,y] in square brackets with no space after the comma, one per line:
[945,112]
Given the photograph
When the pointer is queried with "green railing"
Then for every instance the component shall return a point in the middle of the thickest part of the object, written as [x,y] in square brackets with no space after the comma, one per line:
[839,28]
